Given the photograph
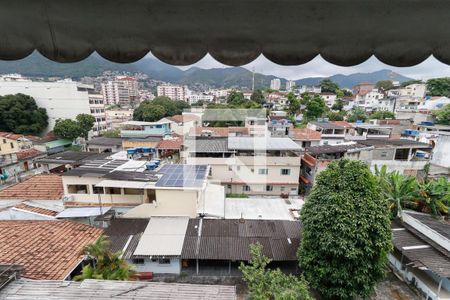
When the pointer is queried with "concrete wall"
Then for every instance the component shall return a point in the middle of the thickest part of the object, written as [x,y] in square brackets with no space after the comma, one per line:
[183,201]
[60,99]
[441,151]
[8,146]
[174,267]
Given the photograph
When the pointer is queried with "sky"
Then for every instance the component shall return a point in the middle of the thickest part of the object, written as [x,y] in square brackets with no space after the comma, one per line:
[319,67]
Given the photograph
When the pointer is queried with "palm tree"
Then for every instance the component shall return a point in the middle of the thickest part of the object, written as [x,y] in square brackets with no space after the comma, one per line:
[107,265]
[399,190]
[434,196]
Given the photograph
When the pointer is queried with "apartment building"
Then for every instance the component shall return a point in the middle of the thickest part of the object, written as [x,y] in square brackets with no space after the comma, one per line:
[308,89]
[63,99]
[275,84]
[369,100]
[123,91]
[97,109]
[174,92]
[290,85]
[331,132]
[279,126]
[248,165]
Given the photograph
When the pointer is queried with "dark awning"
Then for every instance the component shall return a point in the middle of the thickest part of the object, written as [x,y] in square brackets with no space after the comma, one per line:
[235,32]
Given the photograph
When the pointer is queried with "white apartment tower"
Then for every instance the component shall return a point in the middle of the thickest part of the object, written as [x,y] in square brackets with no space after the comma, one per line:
[275,84]
[63,99]
[97,109]
[174,92]
[290,84]
[123,91]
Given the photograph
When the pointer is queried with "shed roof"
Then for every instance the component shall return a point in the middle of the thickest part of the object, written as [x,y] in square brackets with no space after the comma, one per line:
[164,236]
[206,145]
[327,125]
[121,229]
[105,141]
[82,212]
[219,239]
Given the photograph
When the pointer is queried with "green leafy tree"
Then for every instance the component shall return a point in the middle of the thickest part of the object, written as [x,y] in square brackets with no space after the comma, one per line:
[264,283]
[20,114]
[293,104]
[107,265]
[442,115]
[258,97]
[336,116]
[328,86]
[434,196]
[439,86]
[338,105]
[346,235]
[144,112]
[315,108]
[399,190]
[382,115]
[235,98]
[384,85]
[67,129]
[154,113]
[113,133]
[86,122]
[409,82]
[357,114]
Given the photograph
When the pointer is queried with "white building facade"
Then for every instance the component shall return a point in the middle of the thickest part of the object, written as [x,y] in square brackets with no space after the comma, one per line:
[174,92]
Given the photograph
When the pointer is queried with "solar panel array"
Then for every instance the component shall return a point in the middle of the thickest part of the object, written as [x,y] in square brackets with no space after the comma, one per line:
[182,176]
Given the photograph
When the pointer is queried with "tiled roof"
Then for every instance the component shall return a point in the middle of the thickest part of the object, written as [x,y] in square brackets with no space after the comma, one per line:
[35,209]
[305,134]
[174,143]
[28,153]
[47,249]
[11,136]
[39,187]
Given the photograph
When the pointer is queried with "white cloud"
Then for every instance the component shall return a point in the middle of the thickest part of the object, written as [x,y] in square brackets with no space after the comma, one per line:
[318,67]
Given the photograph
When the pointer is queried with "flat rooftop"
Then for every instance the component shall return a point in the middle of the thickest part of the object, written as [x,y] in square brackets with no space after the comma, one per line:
[381,143]
[262,143]
[327,125]
[328,149]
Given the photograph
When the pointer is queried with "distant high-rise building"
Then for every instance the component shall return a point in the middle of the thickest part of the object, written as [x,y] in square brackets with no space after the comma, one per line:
[290,84]
[174,92]
[122,91]
[275,84]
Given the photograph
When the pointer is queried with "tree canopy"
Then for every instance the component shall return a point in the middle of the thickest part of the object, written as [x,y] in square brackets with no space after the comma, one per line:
[328,86]
[258,97]
[384,85]
[346,233]
[442,115]
[160,107]
[382,115]
[357,114]
[338,105]
[315,107]
[293,104]
[20,114]
[264,283]
[439,86]
[71,129]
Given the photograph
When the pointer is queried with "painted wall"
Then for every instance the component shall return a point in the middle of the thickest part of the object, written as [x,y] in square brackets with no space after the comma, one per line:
[153,265]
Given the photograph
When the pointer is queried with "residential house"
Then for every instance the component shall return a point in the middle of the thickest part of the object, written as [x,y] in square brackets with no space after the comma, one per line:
[331,133]
[406,156]
[181,124]
[49,250]
[421,254]
[249,165]
[317,158]
[45,188]
[67,160]
[104,145]
[279,126]
[170,147]
[329,98]
[29,210]
[305,137]
[115,117]
[139,129]
[218,132]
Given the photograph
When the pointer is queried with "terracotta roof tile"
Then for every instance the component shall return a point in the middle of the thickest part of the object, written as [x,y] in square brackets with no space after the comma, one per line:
[47,249]
[28,153]
[305,134]
[170,144]
[35,209]
[11,136]
[39,187]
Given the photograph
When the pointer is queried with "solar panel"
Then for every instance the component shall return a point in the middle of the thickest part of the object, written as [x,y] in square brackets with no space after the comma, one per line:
[182,175]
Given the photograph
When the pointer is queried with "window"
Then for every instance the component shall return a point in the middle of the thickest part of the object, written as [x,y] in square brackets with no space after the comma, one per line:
[269,188]
[285,171]
[12,145]
[230,168]
[229,186]
[97,190]
[306,144]
[246,188]
[282,188]
[77,189]
[164,261]
[263,171]
[4,141]
[138,261]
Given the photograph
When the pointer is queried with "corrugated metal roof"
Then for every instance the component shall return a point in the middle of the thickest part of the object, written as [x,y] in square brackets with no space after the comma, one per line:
[206,145]
[120,230]
[230,239]
[109,289]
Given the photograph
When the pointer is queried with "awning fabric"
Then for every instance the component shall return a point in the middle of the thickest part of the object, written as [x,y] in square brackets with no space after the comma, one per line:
[234,32]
